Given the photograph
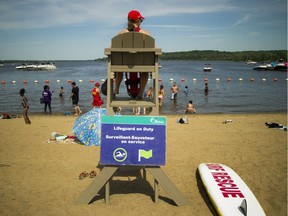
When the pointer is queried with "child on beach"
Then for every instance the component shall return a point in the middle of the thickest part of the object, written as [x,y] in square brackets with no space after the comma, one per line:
[25,106]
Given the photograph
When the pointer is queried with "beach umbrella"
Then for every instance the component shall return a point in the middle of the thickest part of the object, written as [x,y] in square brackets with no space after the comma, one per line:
[87,127]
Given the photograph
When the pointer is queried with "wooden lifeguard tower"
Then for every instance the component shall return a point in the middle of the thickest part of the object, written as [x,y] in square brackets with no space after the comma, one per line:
[132,52]
[129,53]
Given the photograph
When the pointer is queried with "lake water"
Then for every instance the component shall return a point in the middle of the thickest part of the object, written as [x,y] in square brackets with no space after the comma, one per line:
[264,94]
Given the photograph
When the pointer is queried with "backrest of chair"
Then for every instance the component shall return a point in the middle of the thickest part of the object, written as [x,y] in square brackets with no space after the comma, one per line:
[137,49]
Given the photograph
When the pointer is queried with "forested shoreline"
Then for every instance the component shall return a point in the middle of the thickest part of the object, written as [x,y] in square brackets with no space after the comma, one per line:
[215,55]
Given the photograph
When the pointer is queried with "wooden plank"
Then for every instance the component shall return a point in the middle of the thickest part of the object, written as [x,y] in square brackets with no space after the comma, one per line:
[157,51]
[168,185]
[128,59]
[133,68]
[116,41]
[149,42]
[132,103]
[139,40]
[107,192]
[156,191]
[128,40]
[100,180]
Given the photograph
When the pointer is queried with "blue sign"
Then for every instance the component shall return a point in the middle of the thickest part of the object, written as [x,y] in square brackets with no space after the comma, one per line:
[133,140]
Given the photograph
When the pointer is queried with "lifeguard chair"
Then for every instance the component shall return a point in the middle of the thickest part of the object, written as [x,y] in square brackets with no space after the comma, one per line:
[132,53]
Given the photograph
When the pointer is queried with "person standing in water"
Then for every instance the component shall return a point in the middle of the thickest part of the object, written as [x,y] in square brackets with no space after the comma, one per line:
[75,98]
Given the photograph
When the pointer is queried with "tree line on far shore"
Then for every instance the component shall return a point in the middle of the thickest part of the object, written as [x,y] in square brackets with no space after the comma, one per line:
[215,55]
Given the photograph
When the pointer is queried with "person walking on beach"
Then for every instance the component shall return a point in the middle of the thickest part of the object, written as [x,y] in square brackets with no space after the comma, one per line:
[47,97]
[25,106]
[134,21]
[75,98]
[174,90]
[161,95]
[96,92]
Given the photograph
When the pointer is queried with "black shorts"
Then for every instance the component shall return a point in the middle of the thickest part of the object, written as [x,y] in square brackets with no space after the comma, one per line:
[75,102]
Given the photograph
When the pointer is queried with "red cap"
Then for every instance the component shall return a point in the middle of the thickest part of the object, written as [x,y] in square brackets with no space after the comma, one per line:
[97,84]
[135,15]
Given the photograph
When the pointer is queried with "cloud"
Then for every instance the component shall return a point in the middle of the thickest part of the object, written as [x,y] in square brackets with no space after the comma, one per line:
[28,14]
[243,20]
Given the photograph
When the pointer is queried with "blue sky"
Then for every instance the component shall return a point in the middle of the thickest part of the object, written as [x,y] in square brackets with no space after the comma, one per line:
[80,30]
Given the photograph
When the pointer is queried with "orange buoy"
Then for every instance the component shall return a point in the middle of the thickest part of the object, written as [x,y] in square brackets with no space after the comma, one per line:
[3,82]
[182,80]
[91,80]
[69,81]
[159,80]
[229,79]
[46,81]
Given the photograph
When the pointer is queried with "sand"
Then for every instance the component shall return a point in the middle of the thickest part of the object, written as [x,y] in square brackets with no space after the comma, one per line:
[41,178]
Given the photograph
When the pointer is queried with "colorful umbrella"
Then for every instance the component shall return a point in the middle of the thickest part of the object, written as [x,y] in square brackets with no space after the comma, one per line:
[87,127]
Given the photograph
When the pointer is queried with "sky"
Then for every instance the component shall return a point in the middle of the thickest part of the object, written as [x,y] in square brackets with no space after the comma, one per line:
[81,30]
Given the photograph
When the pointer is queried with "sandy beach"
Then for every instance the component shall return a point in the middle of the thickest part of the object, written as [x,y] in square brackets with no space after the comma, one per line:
[41,178]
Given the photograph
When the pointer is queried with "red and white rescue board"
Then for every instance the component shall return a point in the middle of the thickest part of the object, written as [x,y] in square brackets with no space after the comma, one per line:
[228,192]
